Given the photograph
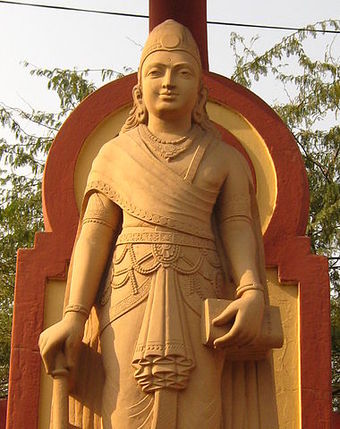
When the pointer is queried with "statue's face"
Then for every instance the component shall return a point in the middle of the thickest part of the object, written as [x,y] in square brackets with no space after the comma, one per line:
[170,83]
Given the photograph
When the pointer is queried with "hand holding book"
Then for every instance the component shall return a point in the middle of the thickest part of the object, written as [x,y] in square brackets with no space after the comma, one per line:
[224,324]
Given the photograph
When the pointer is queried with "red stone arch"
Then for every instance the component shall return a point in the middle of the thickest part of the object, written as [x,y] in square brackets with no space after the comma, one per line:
[285,247]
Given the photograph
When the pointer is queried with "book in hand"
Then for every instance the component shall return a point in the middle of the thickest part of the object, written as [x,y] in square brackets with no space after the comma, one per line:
[270,336]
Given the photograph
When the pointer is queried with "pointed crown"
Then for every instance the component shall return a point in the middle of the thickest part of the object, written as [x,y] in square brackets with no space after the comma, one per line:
[170,36]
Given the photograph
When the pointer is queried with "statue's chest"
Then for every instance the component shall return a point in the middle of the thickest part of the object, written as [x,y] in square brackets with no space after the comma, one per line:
[193,158]
[206,173]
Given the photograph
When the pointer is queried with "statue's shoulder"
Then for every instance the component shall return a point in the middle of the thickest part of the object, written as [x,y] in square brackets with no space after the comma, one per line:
[225,153]
[120,142]
[227,160]
[122,139]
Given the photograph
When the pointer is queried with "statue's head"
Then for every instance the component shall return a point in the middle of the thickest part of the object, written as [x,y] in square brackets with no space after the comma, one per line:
[168,44]
[170,36]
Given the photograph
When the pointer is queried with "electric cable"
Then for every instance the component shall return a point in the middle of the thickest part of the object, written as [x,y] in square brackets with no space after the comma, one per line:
[136,15]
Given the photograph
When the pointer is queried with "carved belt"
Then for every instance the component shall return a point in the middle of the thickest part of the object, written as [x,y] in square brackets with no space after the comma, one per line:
[148,235]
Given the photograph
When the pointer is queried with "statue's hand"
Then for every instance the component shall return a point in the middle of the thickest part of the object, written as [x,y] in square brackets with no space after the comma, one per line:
[59,344]
[245,314]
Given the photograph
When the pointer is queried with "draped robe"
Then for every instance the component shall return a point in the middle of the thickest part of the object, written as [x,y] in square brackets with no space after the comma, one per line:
[181,215]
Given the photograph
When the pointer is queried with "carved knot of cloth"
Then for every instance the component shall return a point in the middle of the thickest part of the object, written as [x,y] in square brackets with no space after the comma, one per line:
[163,357]
[165,253]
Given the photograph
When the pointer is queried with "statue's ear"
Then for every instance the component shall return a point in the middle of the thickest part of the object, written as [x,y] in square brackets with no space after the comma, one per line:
[199,110]
[139,104]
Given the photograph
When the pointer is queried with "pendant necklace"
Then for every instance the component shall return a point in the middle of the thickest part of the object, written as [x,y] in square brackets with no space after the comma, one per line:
[167,149]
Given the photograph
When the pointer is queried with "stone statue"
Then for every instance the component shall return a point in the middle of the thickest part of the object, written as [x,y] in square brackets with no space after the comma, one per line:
[168,220]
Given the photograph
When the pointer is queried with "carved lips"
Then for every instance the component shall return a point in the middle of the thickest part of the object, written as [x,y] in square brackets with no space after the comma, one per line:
[168,95]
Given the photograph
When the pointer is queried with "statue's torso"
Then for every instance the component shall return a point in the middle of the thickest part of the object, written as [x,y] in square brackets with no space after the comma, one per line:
[162,256]
[143,247]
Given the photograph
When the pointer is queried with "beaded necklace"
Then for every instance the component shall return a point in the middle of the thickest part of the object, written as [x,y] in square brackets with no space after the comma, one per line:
[167,149]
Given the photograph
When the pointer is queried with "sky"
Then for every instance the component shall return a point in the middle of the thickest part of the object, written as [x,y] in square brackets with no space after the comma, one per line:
[52,38]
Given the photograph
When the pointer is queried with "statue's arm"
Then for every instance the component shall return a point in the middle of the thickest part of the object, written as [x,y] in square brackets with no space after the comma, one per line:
[240,245]
[100,223]
[99,227]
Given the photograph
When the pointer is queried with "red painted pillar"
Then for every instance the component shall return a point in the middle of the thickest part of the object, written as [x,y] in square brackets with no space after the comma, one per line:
[3,411]
[191,13]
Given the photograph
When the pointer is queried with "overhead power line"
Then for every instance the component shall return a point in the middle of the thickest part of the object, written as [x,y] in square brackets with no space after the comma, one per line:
[76,9]
[136,15]
[272,27]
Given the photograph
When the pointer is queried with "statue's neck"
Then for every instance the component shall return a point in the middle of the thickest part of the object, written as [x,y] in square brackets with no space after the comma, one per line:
[167,129]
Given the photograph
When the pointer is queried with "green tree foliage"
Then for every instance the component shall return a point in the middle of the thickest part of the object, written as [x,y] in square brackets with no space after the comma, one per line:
[23,156]
[311,110]
[312,90]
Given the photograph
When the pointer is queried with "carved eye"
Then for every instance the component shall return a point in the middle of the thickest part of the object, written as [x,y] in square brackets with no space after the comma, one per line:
[154,72]
[185,73]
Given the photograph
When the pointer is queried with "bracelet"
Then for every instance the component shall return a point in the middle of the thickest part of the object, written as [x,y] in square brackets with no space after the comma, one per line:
[96,220]
[249,286]
[235,218]
[76,308]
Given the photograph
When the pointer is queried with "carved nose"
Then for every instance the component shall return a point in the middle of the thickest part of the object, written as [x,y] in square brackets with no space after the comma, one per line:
[168,80]
[168,85]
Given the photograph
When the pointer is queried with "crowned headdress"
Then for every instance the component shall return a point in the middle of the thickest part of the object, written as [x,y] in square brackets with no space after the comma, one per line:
[170,36]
